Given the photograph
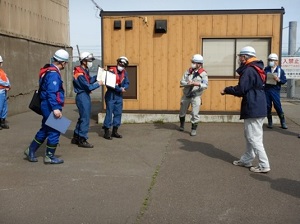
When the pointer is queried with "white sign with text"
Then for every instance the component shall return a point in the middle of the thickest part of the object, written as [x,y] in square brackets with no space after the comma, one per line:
[291,66]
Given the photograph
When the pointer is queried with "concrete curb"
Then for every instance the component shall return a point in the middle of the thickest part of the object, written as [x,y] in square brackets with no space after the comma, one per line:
[131,118]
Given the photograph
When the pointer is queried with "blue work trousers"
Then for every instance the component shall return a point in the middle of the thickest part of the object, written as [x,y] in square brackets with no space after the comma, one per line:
[114,107]
[3,105]
[83,103]
[273,96]
[51,134]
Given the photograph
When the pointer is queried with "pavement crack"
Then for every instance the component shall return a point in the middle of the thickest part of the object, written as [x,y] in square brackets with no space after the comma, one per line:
[146,202]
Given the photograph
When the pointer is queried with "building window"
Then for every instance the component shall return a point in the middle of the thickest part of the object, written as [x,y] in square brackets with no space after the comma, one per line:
[220,55]
[131,92]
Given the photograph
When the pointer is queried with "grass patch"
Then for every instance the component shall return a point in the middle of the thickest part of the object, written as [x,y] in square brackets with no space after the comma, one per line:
[146,201]
[158,122]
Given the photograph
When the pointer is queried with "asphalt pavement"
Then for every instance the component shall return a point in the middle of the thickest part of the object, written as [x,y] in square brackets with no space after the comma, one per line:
[154,174]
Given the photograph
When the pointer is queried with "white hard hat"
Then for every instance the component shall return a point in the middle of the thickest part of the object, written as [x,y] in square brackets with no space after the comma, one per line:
[248,50]
[123,60]
[86,55]
[197,58]
[273,57]
[1,60]
[61,55]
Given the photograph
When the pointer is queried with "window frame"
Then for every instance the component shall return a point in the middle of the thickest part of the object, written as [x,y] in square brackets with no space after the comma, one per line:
[236,50]
[132,91]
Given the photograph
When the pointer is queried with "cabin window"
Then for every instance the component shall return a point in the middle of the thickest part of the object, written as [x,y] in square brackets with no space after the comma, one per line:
[131,92]
[220,55]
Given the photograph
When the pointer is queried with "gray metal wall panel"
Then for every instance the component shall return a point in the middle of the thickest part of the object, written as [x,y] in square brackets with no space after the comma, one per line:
[45,21]
[30,32]
[22,62]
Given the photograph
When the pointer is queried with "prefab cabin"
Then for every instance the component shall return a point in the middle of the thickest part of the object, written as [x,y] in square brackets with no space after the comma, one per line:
[160,44]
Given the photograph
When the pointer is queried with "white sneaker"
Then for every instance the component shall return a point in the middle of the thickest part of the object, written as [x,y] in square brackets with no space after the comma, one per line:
[240,163]
[193,133]
[259,169]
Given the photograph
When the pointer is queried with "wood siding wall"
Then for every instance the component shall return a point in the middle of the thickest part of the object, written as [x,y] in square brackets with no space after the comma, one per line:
[161,59]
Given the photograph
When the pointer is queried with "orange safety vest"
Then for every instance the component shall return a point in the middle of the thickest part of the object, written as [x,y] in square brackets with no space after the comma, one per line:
[3,77]
[78,70]
[200,70]
[260,71]
[119,79]
[47,68]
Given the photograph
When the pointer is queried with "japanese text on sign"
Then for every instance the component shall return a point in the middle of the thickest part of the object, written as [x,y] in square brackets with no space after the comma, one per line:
[291,66]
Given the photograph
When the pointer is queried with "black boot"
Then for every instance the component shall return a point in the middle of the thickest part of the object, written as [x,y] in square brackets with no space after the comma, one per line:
[75,139]
[107,134]
[270,122]
[282,122]
[182,120]
[3,124]
[84,144]
[194,128]
[115,133]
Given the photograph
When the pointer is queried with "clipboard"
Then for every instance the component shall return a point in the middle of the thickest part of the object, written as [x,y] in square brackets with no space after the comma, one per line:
[59,124]
[108,78]
[270,78]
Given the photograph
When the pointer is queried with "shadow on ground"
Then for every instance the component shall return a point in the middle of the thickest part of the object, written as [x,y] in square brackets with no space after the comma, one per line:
[206,149]
[284,185]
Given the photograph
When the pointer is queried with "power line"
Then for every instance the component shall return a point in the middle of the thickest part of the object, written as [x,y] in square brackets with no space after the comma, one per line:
[98,7]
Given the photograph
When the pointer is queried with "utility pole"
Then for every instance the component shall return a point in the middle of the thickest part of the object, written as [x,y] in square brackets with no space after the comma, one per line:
[292,51]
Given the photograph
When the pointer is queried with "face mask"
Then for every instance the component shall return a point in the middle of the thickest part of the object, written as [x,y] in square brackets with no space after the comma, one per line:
[193,65]
[120,68]
[271,63]
[89,64]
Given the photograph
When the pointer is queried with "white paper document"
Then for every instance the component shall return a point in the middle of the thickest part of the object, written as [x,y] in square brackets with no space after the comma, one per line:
[108,78]
[270,79]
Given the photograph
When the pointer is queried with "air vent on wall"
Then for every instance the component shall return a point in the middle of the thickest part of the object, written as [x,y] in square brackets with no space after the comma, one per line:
[117,24]
[128,24]
[160,26]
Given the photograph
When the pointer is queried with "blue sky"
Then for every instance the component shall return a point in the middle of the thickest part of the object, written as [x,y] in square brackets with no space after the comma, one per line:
[85,22]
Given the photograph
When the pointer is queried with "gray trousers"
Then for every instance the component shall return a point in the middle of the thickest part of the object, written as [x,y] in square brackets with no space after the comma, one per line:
[253,130]
[195,103]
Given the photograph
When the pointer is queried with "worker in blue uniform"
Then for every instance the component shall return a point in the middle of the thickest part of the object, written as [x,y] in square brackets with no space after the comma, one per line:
[114,99]
[83,86]
[52,97]
[272,89]
[4,88]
